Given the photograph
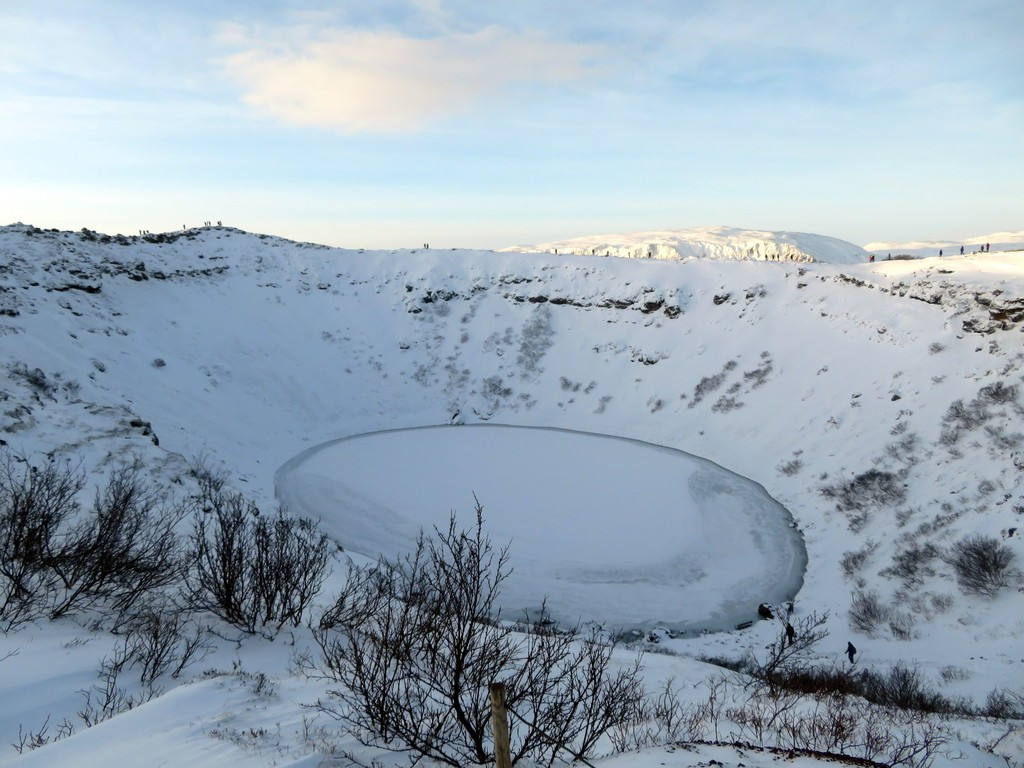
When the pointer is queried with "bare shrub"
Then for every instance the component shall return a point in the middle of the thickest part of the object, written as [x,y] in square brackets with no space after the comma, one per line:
[951,672]
[963,417]
[56,560]
[941,603]
[28,739]
[790,468]
[760,374]
[34,506]
[416,642]
[982,564]
[800,706]
[163,641]
[709,384]
[852,562]
[1003,704]
[666,720]
[901,625]
[35,378]
[726,404]
[535,341]
[870,490]
[1003,441]
[255,572]
[867,612]
[107,697]
[905,687]
[913,564]
[998,393]
[211,480]
[124,549]
[786,653]
[493,387]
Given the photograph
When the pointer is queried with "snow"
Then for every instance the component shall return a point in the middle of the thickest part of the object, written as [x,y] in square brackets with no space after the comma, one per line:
[795,375]
[710,243]
[1001,241]
[611,531]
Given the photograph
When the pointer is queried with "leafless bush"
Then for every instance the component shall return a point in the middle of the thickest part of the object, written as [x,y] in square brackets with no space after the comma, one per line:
[787,652]
[998,393]
[124,549]
[666,720]
[535,341]
[725,404]
[1003,441]
[107,698]
[709,384]
[103,700]
[416,642]
[906,688]
[255,572]
[759,375]
[870,490]
[212,480]
[56,560]
[40,737]
[163,640]
[790,703]
[901,625]
[868,612]
[913,564]
[963,417]
[982,564]
[790,468]
[941,603]
[842,725]
[34,507]
[852,562]
[35,378]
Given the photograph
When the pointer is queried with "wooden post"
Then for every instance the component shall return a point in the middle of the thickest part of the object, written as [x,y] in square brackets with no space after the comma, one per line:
[499,722]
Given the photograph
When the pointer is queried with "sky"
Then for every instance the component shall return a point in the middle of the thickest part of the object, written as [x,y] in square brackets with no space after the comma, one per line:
[458,123]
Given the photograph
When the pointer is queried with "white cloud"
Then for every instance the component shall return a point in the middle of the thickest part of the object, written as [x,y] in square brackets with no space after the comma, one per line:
[363,81]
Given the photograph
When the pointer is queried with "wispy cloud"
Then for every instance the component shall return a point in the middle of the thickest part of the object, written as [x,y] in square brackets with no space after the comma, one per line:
[387,81]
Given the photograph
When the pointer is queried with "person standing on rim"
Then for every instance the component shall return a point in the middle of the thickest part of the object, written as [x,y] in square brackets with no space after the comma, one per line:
[851,651]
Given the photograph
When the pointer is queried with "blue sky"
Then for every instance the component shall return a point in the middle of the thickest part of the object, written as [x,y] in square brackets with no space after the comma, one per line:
[389,123]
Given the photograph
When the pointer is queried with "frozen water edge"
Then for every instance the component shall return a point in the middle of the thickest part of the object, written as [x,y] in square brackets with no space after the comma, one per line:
[611,530]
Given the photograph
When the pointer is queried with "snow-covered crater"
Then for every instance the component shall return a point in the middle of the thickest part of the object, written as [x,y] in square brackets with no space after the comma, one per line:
[609,530]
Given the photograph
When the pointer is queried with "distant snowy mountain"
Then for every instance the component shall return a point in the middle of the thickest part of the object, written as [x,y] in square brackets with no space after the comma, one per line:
[710,243]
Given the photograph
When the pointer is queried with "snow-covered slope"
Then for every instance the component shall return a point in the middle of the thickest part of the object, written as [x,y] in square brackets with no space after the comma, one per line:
[1000,241]
[710,243]
[880,403]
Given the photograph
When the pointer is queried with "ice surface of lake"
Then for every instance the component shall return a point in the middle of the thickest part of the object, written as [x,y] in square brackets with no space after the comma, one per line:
[611,530]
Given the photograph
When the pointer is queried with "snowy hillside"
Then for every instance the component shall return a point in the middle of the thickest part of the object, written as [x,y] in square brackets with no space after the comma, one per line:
[881,404]
[1000,241]
[710,243]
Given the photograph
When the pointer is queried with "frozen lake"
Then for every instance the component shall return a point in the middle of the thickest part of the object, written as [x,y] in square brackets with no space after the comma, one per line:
[611,530]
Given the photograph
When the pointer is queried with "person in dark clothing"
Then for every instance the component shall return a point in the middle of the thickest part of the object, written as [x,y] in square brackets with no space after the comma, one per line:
[790,634]
[961,250]
[851,651]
